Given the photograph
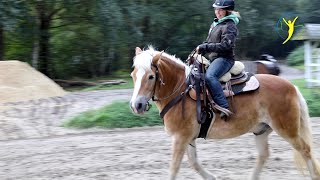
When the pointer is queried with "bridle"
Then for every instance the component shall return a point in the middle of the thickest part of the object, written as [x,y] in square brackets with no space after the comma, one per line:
[162,83]
[158,78]
[173,101]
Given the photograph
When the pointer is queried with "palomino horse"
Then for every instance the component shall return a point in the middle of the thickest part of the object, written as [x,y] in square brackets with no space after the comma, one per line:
[276,103]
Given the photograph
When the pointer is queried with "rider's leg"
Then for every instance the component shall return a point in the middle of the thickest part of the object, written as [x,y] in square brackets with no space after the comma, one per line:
[216,70]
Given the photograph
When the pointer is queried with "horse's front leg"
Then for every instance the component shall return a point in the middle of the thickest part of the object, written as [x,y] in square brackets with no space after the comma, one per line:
[179,145]
[193,161]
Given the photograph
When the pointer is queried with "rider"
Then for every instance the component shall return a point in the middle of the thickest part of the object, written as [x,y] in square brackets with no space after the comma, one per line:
[220,43]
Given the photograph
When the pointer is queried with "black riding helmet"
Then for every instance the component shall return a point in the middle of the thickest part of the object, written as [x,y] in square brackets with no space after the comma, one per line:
[224,4]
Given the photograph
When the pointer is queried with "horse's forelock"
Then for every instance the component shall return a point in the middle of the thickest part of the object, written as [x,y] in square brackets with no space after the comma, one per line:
[144,59]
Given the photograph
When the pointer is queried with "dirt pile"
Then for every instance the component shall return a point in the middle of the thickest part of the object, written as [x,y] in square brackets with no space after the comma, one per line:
[20,82]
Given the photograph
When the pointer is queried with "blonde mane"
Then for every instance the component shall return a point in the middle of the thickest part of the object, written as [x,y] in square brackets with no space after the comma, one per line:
[144,59]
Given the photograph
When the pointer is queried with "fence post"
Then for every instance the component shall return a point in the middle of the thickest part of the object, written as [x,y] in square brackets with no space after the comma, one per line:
[307,62]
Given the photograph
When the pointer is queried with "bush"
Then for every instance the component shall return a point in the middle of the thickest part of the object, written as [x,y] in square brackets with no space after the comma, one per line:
[296,57]
[314,104]
[311,95]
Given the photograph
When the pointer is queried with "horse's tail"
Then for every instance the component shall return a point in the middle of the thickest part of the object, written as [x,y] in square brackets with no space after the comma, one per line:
[305,134]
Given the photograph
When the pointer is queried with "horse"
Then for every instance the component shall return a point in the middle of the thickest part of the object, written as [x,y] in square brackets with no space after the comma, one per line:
[276,103]
[266,64]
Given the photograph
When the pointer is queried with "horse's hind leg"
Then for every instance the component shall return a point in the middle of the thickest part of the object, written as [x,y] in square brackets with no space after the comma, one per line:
[299,136]
[263,153]
[298,133]
[300,139]
[193,161]
[303,149]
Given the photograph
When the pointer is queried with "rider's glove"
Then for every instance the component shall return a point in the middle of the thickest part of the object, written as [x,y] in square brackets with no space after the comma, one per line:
[202,48]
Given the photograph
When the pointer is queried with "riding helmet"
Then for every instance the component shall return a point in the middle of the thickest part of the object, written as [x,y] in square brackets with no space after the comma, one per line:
[224,4]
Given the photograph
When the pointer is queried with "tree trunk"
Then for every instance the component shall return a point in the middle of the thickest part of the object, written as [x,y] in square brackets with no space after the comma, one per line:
[35,54]
[1,43]
[44,63]
[146,28]
[104,62]
[110,58]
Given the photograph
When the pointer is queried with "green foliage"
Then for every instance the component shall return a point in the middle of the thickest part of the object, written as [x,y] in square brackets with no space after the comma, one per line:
[10,10]
[312,96]
[309,10]
[296,57]
[77,51]
[91,38]
[116,115]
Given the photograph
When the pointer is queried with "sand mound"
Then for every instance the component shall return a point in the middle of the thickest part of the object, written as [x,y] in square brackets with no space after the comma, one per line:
[21,82]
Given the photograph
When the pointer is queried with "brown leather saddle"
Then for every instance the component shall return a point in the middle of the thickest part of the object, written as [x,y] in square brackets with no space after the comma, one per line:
[241,83]
[235,82]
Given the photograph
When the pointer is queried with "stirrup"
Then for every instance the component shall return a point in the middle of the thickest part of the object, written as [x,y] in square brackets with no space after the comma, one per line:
[224,110]
[223,116]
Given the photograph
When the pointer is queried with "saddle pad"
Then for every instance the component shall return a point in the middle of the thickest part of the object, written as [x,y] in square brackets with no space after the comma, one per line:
[250,85]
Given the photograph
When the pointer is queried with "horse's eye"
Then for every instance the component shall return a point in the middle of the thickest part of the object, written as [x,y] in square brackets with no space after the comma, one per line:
[151,77]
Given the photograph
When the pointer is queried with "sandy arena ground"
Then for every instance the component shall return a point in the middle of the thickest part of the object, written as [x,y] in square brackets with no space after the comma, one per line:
[34,146]
[139,153]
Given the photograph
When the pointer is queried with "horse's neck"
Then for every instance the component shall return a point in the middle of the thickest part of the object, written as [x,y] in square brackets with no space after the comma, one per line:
[171,82]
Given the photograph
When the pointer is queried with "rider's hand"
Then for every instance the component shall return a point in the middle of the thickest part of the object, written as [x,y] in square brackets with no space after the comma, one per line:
[202,48]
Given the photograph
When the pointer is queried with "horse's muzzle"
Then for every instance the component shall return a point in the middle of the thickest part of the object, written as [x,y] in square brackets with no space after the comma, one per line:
[139,105]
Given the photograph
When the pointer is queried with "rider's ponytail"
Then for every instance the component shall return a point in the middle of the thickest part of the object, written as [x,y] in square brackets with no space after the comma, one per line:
[235,13]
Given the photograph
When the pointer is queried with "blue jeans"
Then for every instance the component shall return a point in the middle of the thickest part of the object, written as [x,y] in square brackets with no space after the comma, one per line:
[216,70]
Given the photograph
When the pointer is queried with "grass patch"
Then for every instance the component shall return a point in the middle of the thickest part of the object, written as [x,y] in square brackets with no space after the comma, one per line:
[116,115]
[312,96]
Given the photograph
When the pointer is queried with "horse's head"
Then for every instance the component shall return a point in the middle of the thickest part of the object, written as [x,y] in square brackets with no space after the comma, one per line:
[144,77]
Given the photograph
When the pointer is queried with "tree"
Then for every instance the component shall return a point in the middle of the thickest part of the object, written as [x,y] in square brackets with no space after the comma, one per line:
[91,38]
[312,9]
[9,11]
[49,13]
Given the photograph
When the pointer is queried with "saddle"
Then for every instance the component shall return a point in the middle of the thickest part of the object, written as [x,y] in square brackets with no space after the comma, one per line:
[234,82]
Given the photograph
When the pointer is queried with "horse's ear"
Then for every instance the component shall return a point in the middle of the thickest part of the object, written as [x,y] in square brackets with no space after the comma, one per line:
[138,51]
[156,58]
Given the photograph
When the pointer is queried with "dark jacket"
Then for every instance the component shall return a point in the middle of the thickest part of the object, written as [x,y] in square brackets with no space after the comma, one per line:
[221,40]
